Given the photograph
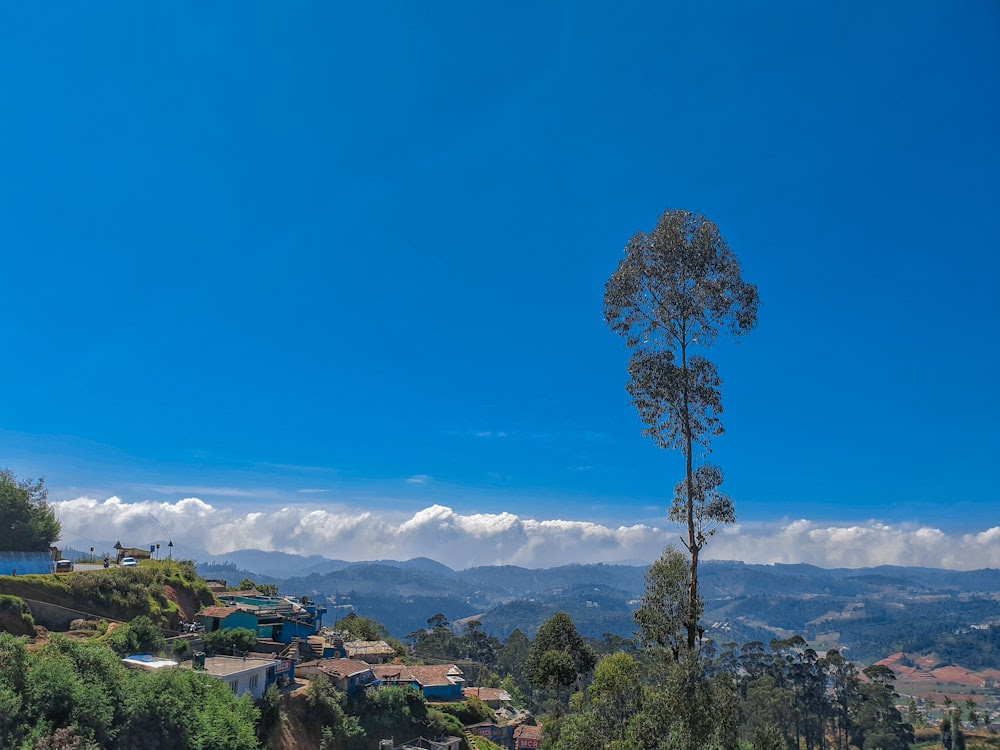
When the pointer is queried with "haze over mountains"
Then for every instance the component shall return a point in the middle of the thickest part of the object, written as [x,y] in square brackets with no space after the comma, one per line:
[870,612]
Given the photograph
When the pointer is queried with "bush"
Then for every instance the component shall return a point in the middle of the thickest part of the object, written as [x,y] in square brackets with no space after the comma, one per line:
[441,723]
[137,637]
[470,711]
[327,703]
[224,641]
[15,617]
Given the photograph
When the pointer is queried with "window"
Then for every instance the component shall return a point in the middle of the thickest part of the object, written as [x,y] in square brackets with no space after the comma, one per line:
[254,679]
[235,684]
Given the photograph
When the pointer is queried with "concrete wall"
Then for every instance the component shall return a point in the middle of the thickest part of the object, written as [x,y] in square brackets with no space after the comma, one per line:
[54,617]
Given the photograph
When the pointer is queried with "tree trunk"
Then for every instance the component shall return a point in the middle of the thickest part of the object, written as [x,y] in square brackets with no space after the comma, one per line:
[692,618]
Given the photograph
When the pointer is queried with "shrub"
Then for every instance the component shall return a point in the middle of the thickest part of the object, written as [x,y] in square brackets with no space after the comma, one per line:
[470,711]
[139,636]
[222,641]
[15,617]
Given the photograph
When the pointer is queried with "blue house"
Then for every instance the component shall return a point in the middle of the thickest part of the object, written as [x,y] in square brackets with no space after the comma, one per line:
[347,675]
[226,618]
[442,682]
[283,619]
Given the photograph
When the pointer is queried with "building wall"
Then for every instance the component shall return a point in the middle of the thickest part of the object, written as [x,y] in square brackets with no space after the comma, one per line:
[238,619]
[254,681]
[445,692]
[26,563]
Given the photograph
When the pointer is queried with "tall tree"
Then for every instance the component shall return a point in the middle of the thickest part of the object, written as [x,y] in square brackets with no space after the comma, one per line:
[677,288]
[558,656]
[27,521]
[663,612]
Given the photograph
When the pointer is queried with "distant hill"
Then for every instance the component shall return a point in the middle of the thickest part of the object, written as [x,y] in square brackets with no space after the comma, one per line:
[870,612]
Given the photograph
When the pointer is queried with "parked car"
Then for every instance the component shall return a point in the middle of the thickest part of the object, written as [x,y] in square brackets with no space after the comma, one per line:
[128,562]
[64,566]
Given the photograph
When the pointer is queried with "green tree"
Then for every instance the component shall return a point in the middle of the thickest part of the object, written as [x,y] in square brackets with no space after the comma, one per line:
[173,708]
[878,725]
[844,680]
[437,641]
[513,655]
[56,697]
[663,612]
[672,294]
[327,704]
[27,521]
[267,589]
[558,656]
[139,636]
[361,628]
[13,667]
[476,645]
[230,639]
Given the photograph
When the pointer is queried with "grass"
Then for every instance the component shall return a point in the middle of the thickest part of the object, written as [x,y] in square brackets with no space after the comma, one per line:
[116,593]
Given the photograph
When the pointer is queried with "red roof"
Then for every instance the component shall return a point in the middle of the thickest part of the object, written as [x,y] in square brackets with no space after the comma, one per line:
[487,694]
[341,668]
[527,732]
[218,611]
[425,676]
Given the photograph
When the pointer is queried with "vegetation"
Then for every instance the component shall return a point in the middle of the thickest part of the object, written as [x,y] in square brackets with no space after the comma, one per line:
[438,641]
[469,711]
[481,743]
[121,594]
[141,636]
[671,295]
[79,695]
[361,628]
[558,657]
[29,523]
[15,617]
[231,640]
[267,589]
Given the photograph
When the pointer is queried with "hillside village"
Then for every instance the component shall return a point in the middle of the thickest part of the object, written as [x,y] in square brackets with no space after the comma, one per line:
[279,643]
[255,641]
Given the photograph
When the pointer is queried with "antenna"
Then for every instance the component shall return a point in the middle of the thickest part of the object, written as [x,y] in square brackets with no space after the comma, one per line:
[170,541]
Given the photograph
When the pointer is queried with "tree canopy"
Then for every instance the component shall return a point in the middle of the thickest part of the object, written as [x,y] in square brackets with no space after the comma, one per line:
[28,522]
[558,656]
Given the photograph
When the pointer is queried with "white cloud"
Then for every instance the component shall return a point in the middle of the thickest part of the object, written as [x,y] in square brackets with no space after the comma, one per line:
[463,540]
[418,479]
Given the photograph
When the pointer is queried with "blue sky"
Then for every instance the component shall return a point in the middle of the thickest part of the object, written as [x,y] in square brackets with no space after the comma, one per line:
[354,256]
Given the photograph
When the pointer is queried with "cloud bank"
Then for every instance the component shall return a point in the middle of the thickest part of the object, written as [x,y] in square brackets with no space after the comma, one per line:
[464,540]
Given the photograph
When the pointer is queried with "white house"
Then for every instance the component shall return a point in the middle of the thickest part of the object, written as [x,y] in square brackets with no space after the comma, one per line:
[249,675]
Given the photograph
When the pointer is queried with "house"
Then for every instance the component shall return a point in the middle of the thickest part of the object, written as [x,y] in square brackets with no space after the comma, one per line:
[526,736]
[251,675]
[373,652]
[282,619]
[226,618]
[139,553]
[503,736]
[420,743]
[435,682]
[495,698]
[347,675]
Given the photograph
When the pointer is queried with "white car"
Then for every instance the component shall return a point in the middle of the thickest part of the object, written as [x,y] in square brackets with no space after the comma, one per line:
[128,562]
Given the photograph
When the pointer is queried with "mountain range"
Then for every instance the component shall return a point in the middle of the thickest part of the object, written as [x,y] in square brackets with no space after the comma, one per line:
[870,613]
